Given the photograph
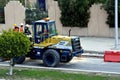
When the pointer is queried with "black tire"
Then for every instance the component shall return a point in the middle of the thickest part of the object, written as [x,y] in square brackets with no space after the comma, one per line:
[51,58]
[19,60]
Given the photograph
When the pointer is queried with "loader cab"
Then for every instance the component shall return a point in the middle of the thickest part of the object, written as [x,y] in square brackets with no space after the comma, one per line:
[43,29]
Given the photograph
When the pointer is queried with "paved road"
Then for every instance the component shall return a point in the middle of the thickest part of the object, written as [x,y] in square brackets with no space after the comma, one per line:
[90,64]
[94,64]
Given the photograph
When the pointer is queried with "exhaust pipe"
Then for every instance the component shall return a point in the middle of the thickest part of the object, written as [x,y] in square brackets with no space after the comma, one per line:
[69,31]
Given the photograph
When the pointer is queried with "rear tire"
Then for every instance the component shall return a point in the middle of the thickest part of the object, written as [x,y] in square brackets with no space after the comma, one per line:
[19,60]
[51,58]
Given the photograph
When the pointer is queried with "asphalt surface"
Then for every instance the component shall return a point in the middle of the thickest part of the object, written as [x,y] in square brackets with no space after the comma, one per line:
[94,64]
[87,64]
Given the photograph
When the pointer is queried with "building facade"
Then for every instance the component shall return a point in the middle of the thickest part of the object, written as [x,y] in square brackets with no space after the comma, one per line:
[97,26]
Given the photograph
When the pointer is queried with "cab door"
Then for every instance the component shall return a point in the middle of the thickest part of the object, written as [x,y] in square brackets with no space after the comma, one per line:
[39,32]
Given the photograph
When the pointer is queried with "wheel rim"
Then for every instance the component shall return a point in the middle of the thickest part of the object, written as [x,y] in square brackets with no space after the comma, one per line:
[49,59]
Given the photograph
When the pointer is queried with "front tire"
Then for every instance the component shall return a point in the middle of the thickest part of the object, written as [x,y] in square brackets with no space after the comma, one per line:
[51,58]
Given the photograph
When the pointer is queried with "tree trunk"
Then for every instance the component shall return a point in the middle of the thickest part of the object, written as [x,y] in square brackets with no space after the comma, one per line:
[11,67]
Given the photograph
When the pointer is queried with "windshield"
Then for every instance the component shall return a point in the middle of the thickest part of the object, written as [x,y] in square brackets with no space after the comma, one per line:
[52,29]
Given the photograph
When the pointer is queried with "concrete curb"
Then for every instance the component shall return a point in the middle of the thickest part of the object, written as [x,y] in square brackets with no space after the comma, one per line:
[93,55]
[65,69]
[91,51]
[88,53]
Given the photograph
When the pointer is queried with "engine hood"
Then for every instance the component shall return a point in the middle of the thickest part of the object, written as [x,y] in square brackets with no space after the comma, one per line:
[57,40]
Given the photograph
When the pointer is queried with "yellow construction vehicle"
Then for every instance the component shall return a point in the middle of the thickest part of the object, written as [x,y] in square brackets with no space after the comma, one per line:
[51,47]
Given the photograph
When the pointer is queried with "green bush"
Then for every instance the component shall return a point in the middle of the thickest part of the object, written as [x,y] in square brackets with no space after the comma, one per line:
[109,6]
[33,14]
[13,44]
[75,13]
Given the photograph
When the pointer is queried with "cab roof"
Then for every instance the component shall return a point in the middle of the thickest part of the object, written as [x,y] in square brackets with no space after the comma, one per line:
[43,21]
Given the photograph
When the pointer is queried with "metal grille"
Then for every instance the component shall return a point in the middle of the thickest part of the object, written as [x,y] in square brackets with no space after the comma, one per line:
[76,44]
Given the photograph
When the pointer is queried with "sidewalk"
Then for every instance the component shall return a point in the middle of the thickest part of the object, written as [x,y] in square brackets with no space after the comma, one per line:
[94,46]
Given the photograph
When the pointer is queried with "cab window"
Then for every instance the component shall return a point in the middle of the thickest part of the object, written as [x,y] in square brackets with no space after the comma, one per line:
[52,29]
[38,29]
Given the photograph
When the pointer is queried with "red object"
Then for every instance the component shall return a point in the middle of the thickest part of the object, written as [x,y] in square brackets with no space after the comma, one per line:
[112,56]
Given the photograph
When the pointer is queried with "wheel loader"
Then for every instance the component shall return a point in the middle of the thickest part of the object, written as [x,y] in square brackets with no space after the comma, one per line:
[51,47]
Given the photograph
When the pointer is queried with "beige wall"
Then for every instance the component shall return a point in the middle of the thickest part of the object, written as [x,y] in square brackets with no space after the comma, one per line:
[14,13]
[96,27]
